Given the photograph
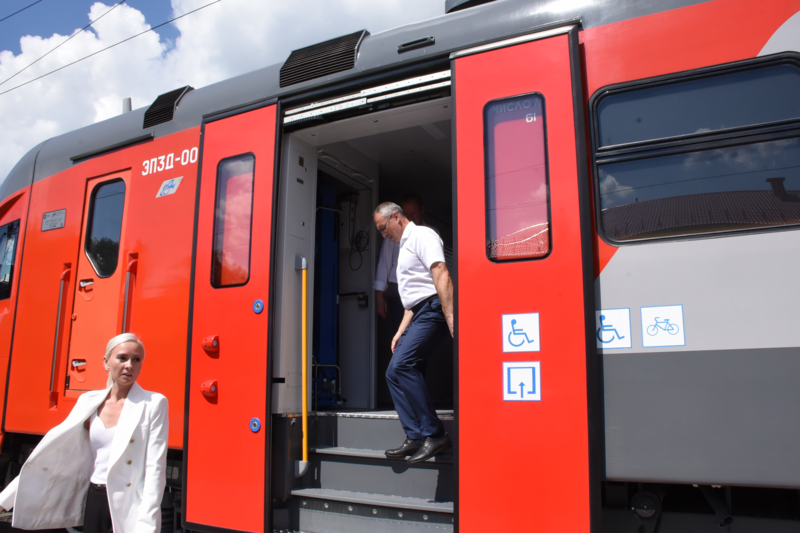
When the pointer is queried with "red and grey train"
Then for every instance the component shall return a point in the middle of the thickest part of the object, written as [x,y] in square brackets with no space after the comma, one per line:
[608,178]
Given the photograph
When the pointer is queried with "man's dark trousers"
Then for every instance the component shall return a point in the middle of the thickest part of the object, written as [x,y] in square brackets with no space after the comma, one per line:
[405,375]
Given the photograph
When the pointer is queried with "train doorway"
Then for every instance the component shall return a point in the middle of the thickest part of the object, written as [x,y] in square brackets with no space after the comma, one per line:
[332,177]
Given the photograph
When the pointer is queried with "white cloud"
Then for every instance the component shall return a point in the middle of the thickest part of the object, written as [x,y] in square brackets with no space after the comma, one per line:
[746,158]
[221,41]
[614,192]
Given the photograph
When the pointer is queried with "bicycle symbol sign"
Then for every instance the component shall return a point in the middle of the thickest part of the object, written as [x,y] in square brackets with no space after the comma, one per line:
[521,333]
[663,326]
[613,328]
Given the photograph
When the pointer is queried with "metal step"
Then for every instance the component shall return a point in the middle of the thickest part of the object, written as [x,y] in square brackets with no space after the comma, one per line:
[371,430]
[376,500]
[427,480]
[325,511]
[445,457]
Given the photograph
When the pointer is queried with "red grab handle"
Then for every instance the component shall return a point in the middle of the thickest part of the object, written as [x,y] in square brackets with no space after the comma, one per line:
[211,344]
[209,388]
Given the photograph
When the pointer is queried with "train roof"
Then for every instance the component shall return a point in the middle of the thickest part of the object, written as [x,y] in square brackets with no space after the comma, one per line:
[377,53]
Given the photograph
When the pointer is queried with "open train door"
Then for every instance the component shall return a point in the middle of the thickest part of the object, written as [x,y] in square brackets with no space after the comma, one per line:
[525,287]
[226,388]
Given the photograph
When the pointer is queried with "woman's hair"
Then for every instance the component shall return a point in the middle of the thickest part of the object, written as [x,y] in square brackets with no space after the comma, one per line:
[116,341]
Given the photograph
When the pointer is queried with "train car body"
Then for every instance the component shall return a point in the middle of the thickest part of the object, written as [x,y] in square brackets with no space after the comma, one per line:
[617,188]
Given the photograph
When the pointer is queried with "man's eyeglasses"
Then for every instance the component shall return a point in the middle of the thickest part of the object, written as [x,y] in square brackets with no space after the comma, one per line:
[385,224]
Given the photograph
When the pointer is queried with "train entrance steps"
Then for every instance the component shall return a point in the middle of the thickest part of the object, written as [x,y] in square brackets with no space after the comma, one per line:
[352,486]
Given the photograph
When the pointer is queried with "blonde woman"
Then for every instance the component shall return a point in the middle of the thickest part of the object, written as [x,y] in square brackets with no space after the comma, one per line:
[104,466]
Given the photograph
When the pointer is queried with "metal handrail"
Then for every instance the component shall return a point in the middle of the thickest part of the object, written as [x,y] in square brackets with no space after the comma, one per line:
[300,263]
[64,278]
[132,269]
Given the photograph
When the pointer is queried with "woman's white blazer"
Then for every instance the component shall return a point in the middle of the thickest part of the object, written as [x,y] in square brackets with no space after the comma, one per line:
[51,489]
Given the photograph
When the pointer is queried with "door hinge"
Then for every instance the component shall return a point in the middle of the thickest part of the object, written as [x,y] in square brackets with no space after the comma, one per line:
[67,383]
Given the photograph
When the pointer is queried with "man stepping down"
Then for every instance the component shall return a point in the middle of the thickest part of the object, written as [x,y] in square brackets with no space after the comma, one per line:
[427,295]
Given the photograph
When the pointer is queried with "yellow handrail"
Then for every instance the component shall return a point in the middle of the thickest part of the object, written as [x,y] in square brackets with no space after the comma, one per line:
[305,365]
[300,263]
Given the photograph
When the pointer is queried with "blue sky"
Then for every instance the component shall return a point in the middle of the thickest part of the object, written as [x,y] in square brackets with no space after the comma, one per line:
[49,17]
[223,40]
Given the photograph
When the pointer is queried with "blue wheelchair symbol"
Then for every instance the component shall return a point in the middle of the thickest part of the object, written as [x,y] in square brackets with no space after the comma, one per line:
[518,333]
[169,186]
[604,328]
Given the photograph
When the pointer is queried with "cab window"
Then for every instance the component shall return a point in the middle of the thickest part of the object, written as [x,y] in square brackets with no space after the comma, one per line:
[8,247]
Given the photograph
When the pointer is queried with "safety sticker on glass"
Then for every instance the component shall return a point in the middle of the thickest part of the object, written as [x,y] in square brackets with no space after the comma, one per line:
[613,328]
[662,326]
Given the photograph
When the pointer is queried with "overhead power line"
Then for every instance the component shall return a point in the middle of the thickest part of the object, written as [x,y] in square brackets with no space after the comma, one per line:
[62,43]
[20,11]
[111,46]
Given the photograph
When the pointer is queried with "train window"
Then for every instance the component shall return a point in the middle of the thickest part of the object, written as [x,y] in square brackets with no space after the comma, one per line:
[105,227]
[717,182]
[742,98]
[517,193]
[8,247]
[732,188]
[230,264]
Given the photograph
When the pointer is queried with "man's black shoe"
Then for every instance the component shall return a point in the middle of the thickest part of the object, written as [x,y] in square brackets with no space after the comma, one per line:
[430,447]
[409,447]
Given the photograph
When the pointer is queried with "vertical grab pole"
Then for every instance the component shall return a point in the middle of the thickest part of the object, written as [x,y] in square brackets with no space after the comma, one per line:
[133,268]
[300,263]
[64,278]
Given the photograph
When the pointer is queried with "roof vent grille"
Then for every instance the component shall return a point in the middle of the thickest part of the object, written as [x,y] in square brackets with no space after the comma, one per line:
[163,109]
[322,59]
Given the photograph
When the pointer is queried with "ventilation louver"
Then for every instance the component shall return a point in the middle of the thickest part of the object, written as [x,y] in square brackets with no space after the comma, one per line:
[322,59]
[163,109]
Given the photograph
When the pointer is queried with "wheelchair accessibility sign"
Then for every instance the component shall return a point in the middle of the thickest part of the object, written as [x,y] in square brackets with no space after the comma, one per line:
[170,186]
[521,333]
[613,328]
[522,382]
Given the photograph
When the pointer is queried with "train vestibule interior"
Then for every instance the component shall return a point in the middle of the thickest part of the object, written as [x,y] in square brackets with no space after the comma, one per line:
[332,178]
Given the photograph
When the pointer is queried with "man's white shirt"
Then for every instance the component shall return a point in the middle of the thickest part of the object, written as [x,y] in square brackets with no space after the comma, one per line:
[420,248]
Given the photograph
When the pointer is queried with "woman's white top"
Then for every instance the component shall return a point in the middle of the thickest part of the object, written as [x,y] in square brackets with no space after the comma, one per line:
[100,438]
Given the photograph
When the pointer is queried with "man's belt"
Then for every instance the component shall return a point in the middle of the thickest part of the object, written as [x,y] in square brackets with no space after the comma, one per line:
[416,309]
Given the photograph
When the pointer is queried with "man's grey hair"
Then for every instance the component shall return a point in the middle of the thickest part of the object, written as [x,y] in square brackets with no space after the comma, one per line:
[387,209]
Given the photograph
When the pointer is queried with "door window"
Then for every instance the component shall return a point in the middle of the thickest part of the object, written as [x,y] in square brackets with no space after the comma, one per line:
[233,210]
[517,193]
[105,227]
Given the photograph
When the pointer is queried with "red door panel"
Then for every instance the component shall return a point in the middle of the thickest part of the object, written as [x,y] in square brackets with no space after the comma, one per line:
[226,288]
[97,304]
[538,476]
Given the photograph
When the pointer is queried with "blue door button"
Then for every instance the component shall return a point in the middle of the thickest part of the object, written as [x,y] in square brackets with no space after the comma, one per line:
[258,306]
[255,425]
